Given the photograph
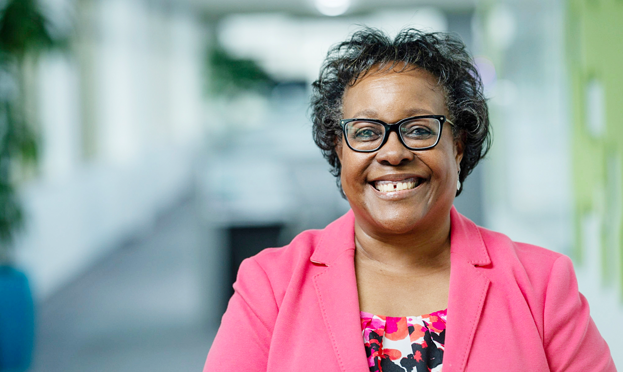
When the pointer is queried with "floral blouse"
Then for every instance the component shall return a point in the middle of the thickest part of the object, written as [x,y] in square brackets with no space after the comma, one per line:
[404,344]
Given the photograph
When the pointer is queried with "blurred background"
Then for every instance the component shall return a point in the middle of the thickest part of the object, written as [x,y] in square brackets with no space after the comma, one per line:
[148,146]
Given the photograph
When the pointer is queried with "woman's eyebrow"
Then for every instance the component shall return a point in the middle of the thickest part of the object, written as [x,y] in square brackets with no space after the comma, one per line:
[367,113]
[372,114]
[418,111]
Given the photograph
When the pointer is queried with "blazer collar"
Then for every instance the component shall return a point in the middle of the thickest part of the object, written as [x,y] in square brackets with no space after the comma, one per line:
[339,236]
[336,238]
[336,288]
[469,287]
[466,240]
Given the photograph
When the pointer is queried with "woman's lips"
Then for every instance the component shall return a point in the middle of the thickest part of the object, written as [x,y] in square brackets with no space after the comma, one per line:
[394,186]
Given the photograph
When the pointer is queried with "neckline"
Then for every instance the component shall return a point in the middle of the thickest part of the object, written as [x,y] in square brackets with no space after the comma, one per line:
[364,314]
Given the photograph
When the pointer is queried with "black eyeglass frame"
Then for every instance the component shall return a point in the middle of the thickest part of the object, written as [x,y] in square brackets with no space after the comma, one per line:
[393,127]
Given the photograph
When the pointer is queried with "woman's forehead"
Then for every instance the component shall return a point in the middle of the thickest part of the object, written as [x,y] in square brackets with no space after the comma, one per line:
[388,68]
[411,92]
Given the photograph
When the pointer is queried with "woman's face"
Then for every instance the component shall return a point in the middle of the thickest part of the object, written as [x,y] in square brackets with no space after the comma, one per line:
[391,96]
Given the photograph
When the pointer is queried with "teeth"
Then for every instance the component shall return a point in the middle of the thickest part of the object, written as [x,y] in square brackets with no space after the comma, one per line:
[389,186]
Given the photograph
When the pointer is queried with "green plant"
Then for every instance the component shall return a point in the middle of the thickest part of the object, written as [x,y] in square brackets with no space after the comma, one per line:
[230,76]
[24,32]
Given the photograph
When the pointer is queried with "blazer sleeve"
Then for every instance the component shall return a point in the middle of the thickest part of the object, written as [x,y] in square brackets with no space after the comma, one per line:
[571,339]
[243,339]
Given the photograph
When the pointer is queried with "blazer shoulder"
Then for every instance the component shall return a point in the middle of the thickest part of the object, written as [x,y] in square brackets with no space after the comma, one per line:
[501,247]
[528,264]
[279,267]
[299,249]
[545,281]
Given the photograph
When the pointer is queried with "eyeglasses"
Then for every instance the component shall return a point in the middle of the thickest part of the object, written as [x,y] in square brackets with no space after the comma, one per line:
[415,133]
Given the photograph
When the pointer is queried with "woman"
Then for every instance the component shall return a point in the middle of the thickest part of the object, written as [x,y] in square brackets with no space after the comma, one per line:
[403,282]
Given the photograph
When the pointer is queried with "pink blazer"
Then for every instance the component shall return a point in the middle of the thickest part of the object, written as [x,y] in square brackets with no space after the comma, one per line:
[512,307]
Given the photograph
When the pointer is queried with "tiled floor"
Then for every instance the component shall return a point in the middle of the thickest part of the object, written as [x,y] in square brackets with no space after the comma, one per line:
[139,309]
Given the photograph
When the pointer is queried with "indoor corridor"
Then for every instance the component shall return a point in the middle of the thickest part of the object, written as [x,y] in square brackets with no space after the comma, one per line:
[138,309]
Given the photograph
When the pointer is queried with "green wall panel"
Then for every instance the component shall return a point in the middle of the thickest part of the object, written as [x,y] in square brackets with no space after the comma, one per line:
[594,41]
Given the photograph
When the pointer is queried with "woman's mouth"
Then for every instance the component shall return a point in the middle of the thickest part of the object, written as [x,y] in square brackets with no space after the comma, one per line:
[393,186]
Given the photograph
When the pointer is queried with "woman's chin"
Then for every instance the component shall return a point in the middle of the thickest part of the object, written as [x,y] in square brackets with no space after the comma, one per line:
[403,217]
[396,221]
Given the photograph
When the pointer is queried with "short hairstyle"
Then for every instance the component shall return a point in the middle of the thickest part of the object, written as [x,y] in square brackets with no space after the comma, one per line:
[441,54]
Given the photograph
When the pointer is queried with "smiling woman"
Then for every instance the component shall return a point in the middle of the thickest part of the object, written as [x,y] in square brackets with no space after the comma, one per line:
[391,96]
[403,282]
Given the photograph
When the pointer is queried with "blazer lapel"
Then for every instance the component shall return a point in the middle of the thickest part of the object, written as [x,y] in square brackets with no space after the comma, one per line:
[336,288]
[468,291]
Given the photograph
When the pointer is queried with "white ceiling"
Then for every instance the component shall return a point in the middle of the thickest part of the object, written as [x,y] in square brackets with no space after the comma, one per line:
[218,8]
[293,48]
[289,38]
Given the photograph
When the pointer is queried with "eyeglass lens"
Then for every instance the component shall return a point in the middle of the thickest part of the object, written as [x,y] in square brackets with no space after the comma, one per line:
[416,134]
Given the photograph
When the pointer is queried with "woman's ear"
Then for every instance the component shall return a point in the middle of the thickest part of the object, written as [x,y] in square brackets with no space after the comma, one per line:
[458,152]
[338,148]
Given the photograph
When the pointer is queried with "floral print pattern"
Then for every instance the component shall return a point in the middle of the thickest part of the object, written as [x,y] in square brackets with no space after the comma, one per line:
[404,344]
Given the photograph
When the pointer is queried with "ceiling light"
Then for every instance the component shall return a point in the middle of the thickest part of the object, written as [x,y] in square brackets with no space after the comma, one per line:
[332,7]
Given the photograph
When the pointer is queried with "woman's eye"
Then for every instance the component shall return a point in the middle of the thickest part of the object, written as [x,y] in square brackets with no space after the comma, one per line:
[366,134]
[418,132]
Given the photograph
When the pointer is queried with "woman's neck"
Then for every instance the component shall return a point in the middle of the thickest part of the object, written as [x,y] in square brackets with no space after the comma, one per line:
[423,248]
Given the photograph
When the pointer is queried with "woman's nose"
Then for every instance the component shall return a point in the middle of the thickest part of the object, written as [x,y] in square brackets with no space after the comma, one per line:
[393,152]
